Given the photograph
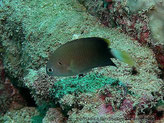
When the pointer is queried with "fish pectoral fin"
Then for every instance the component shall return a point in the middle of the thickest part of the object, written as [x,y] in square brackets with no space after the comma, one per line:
[72,67]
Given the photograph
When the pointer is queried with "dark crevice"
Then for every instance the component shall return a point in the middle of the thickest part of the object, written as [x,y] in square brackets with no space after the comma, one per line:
[25,92]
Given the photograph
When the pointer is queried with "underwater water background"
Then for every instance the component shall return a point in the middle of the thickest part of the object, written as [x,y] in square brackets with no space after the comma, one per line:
[32,31]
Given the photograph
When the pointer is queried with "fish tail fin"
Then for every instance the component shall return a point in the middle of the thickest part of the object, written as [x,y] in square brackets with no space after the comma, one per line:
[122,56]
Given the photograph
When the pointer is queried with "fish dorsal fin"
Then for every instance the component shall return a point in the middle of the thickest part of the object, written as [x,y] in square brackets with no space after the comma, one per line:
[107,41]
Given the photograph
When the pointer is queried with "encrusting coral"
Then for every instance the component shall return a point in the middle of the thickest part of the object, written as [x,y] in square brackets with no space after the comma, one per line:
[23,115]
[141,20]
[34,29]
[154,9]
[54,115]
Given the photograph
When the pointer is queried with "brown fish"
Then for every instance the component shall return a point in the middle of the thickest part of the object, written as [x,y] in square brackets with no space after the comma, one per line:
[81,55]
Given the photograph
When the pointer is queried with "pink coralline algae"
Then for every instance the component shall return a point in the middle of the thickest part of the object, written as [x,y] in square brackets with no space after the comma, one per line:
[147,107]
[159,54]
[126,106]
[105,108]
[134,25]
[112,103]
[2,71]
[159,51]
[130,111]
[10,97]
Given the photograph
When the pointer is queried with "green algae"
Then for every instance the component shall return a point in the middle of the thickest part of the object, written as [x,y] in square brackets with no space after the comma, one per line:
[88,83]
[42,109]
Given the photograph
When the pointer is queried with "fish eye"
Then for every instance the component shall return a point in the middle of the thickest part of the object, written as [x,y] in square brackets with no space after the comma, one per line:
[49,70]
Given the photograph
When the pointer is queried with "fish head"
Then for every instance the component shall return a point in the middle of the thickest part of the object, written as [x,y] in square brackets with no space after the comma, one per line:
[57,67]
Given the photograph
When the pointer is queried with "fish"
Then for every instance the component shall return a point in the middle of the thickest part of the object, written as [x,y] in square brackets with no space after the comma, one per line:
[81,55]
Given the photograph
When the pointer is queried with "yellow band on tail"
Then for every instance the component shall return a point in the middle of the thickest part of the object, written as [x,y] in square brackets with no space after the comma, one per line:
[122,56]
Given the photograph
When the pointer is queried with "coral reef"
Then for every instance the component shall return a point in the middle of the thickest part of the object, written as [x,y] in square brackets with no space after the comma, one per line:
[156,23]
[18,116]
[54,115]
[75,94]
[10,97]
[154,9]
[42,109]
[88,83]
[40,84]
[31,30]
[114,104]
[141,20]
[117,14]
[1,3]
[159,52]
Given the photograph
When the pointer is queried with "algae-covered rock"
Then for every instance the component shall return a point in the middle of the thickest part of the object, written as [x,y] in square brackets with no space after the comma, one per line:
[31,30]
[54,115]
[23,115]
[154,10]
